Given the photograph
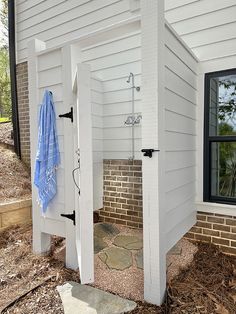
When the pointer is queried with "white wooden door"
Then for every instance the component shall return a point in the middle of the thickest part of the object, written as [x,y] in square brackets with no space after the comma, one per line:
[83,174]
[51,69]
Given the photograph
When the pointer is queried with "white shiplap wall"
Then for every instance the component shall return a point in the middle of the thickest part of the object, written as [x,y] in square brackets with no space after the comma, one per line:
[50,77]
[59,21]
[111,61]
[207,26]
[97,135]
[180,137]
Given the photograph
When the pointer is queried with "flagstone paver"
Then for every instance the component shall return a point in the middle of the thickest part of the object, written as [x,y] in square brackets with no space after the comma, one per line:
[130,242]
[116,258]
[102,230]
[99,245]
[82,299]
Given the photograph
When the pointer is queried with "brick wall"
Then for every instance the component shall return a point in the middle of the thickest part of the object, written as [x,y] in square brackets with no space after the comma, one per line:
[23,109]
[217,229]
[122,193]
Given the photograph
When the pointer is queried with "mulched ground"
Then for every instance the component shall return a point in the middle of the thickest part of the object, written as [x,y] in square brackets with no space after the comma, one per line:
[5,133]
[208,285]
[15,181]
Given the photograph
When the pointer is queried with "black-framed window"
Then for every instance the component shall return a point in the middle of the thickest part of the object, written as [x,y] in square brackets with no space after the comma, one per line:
[220,137]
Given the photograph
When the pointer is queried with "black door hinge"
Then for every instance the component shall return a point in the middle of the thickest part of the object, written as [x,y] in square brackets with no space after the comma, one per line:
[70,216]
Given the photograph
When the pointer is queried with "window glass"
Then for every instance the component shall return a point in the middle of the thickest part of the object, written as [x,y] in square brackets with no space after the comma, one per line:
[222,106]
[223,169]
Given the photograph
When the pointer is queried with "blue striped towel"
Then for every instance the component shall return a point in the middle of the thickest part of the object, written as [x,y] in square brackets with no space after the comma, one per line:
[48,156]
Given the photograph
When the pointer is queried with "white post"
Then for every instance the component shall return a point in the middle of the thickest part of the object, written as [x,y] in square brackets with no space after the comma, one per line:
[41,241]
[71,252]
[153,25]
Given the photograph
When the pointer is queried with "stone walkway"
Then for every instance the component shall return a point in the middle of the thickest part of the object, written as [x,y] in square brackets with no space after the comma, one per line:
[124,251]
[118,260]
[121,249]
[82,299]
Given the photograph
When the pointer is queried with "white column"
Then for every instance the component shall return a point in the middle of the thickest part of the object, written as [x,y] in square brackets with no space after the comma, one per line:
[69,155]
[41,241]
[153,23]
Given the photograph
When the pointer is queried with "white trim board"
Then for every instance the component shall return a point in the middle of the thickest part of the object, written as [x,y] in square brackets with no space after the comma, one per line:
[216,208]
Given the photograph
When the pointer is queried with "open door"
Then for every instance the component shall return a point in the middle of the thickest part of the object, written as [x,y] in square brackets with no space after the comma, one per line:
[83,175]
[51,69]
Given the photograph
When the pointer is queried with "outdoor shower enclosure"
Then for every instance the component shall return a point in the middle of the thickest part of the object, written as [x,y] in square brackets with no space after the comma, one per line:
[90,75]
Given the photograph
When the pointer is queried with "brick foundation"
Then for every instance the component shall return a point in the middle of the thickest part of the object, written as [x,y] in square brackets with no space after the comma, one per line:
[23,109]
[217,229]
[122,193]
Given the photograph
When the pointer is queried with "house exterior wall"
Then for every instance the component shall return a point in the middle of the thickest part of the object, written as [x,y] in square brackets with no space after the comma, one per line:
[23,109]
[59,21]
[207,209]
[207,27]
[217,229]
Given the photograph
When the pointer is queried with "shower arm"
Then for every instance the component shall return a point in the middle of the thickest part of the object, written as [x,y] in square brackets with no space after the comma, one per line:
[131,78]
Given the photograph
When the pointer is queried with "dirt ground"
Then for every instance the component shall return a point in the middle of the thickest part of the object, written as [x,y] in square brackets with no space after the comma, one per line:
[14,177]
[208,285]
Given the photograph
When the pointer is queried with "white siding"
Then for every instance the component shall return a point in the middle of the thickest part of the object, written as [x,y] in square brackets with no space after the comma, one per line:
[97,135]
[112,61]
[207,26]
[56,22]
[180,137]
[49,76]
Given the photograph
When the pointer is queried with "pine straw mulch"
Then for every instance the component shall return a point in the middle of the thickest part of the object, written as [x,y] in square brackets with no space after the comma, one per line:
[208,285]
[5,133]
[15,181]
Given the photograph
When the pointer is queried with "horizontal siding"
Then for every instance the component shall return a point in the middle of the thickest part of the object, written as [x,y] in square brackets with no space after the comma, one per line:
[97,134]
[180,136]
[173,4]
[56,22]
[207,27]
[49,75]
[197,8]
[112,61]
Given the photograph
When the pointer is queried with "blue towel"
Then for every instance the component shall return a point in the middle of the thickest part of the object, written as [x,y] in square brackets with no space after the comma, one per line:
[48,156]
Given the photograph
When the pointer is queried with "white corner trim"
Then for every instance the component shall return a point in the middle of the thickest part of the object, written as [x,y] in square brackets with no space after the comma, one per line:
[216,208]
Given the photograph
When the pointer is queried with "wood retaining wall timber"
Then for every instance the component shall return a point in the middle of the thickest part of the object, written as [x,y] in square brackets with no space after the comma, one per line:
[15,212]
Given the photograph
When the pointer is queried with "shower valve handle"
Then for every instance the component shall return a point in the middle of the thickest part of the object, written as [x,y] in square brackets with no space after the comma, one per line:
[147,152]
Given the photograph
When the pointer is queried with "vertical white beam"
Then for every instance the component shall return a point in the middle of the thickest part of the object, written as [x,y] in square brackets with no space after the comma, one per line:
[41,241]
[69,155]
[84,236]
[200,136]
[152,23]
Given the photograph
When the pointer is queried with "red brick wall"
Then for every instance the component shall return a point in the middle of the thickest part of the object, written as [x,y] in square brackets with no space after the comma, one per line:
[217,229]
[23,109]
[122,193]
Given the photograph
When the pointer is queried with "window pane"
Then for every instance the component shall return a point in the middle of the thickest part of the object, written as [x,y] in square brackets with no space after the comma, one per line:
[222,109]
[223,169]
